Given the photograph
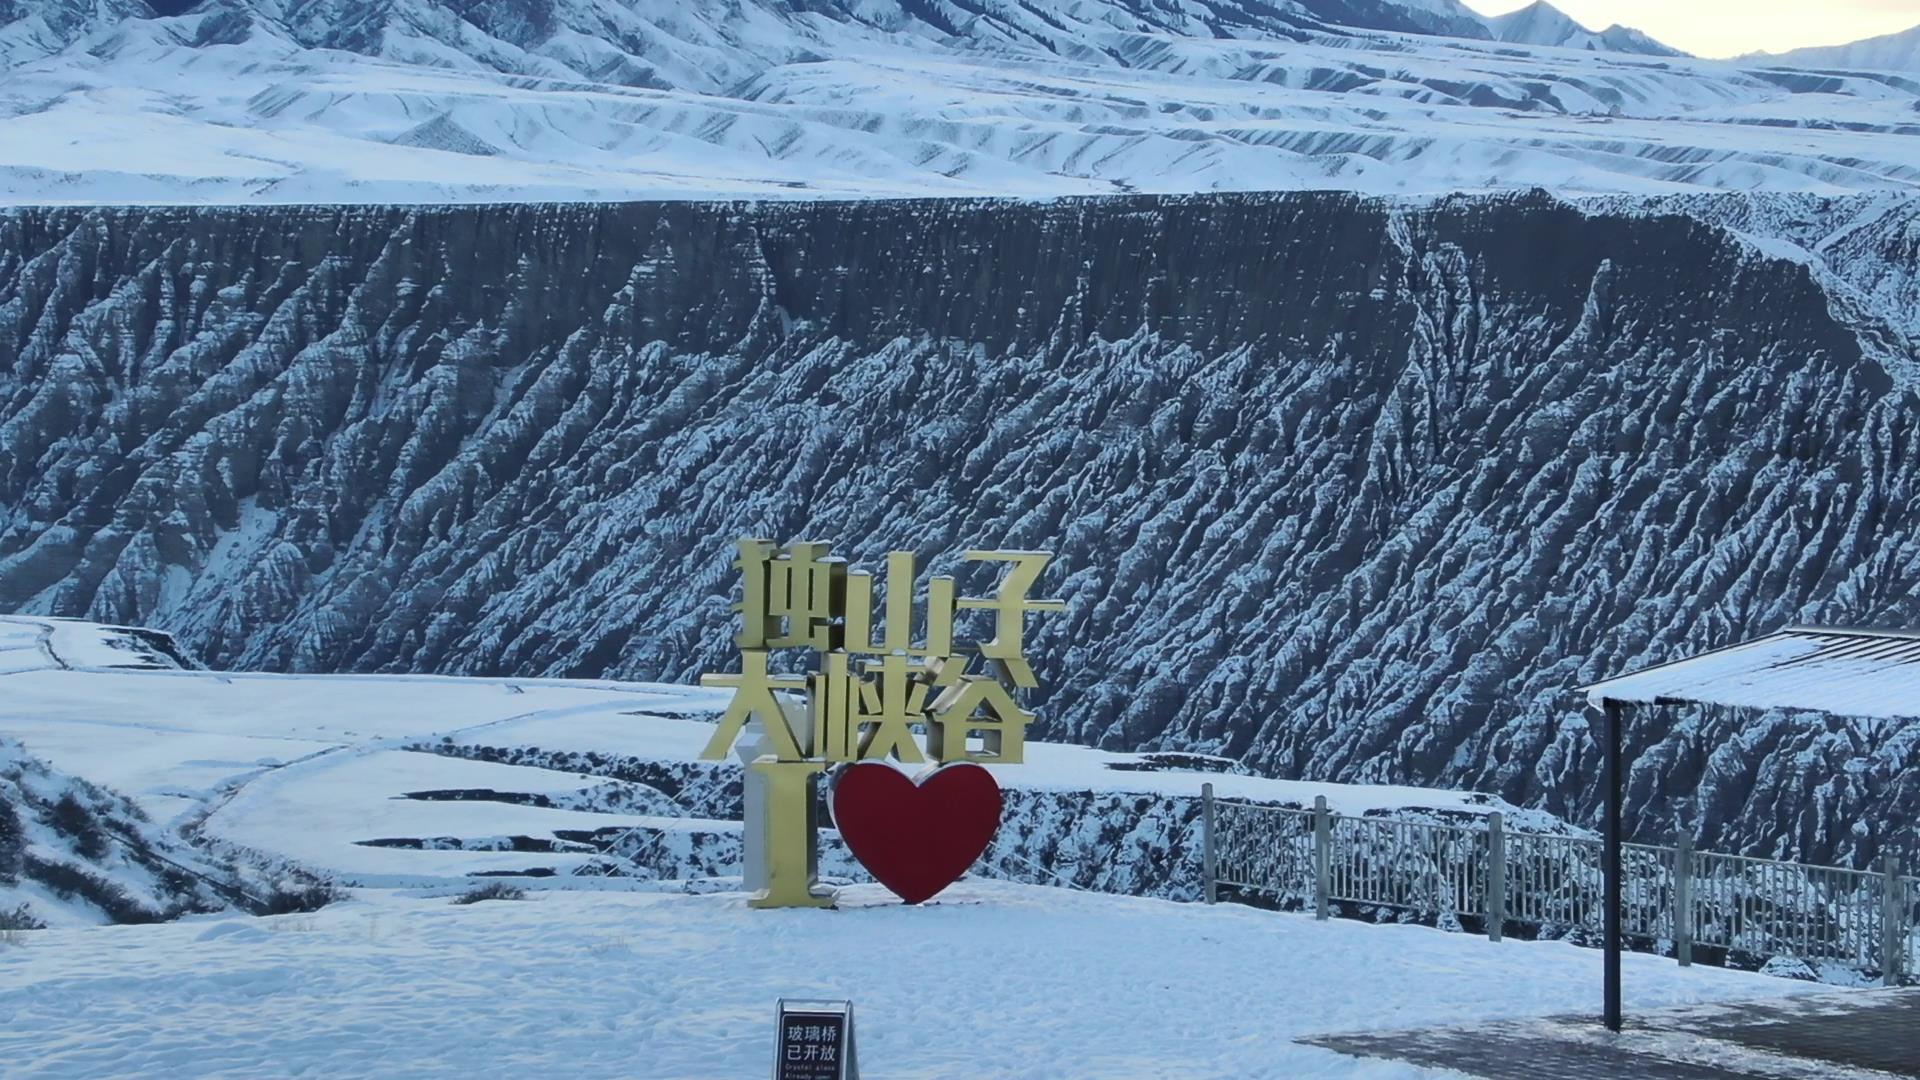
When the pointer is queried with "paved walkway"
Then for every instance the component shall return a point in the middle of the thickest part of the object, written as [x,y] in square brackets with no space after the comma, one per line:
[1843,1035]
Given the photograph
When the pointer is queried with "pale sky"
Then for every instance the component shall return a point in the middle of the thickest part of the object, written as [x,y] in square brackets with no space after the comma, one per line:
[1733,27]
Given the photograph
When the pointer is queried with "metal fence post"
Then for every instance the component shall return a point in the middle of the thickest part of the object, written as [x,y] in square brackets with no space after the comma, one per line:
[1683,899]
[1322,855]
[1495,901]
[1893,921]
[1207,856]
[1613,937]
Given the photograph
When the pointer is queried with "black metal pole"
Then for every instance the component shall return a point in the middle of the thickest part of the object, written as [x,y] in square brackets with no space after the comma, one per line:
[1614,779]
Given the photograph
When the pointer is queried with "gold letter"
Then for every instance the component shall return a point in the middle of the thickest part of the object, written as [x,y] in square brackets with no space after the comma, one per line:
[1009,606]
[792,856]
[898,637]
[809,589]
[833,696]
[1003,739]
[900,702]
[755,614]
[753,697]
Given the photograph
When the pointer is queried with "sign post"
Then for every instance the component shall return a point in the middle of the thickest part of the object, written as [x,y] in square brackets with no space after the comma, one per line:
[876,685]
[814,1041]
[1613,780]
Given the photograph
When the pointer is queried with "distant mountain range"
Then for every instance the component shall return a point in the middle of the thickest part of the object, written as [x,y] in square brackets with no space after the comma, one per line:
[373,101]
[1541,23]
[1889,52]
[364,25]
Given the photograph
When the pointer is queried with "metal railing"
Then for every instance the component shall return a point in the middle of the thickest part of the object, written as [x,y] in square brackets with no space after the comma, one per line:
[1676,900]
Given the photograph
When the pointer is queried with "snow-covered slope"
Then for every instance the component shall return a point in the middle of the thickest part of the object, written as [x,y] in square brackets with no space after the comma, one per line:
[424,100]
[73,853]
[30,28]
[636,41]
[1346,489]
[74,849]
[397,981]
[424,782]
[992,980]
[1888,52]
[1540,23]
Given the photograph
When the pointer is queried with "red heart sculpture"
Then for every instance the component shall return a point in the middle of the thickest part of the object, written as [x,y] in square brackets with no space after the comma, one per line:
[917,835]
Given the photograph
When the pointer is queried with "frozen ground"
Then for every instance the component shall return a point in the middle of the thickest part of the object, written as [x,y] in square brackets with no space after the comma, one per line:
[595,976]
[318,770]
[656,99]
[995,980]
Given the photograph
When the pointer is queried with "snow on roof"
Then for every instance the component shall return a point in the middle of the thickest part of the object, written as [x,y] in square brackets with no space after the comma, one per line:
[1868,673]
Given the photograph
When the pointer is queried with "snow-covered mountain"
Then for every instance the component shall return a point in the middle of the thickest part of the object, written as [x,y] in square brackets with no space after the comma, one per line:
[1889,52]
[619,40]
[427,100]
[1350,490]
[514,34]
[1540,23]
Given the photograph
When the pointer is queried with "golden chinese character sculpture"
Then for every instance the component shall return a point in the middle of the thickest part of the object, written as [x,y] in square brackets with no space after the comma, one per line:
[870,700]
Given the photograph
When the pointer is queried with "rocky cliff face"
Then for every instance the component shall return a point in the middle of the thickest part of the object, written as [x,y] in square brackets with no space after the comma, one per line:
[1347,489]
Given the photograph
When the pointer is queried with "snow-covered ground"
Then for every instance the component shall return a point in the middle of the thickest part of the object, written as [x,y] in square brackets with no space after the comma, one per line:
[763,100]
[347,775]
[595,976]
[994,980]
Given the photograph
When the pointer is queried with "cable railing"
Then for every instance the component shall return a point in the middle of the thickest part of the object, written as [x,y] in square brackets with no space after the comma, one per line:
[1676,901]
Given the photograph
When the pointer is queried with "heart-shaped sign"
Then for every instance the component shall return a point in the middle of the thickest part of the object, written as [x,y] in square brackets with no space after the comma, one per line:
[917,835]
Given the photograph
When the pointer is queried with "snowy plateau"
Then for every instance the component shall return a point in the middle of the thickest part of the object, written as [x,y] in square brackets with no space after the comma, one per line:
[294,101]
[400,792]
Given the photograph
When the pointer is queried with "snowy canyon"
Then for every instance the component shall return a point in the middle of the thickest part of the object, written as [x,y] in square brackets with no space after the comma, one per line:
[1344,488]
